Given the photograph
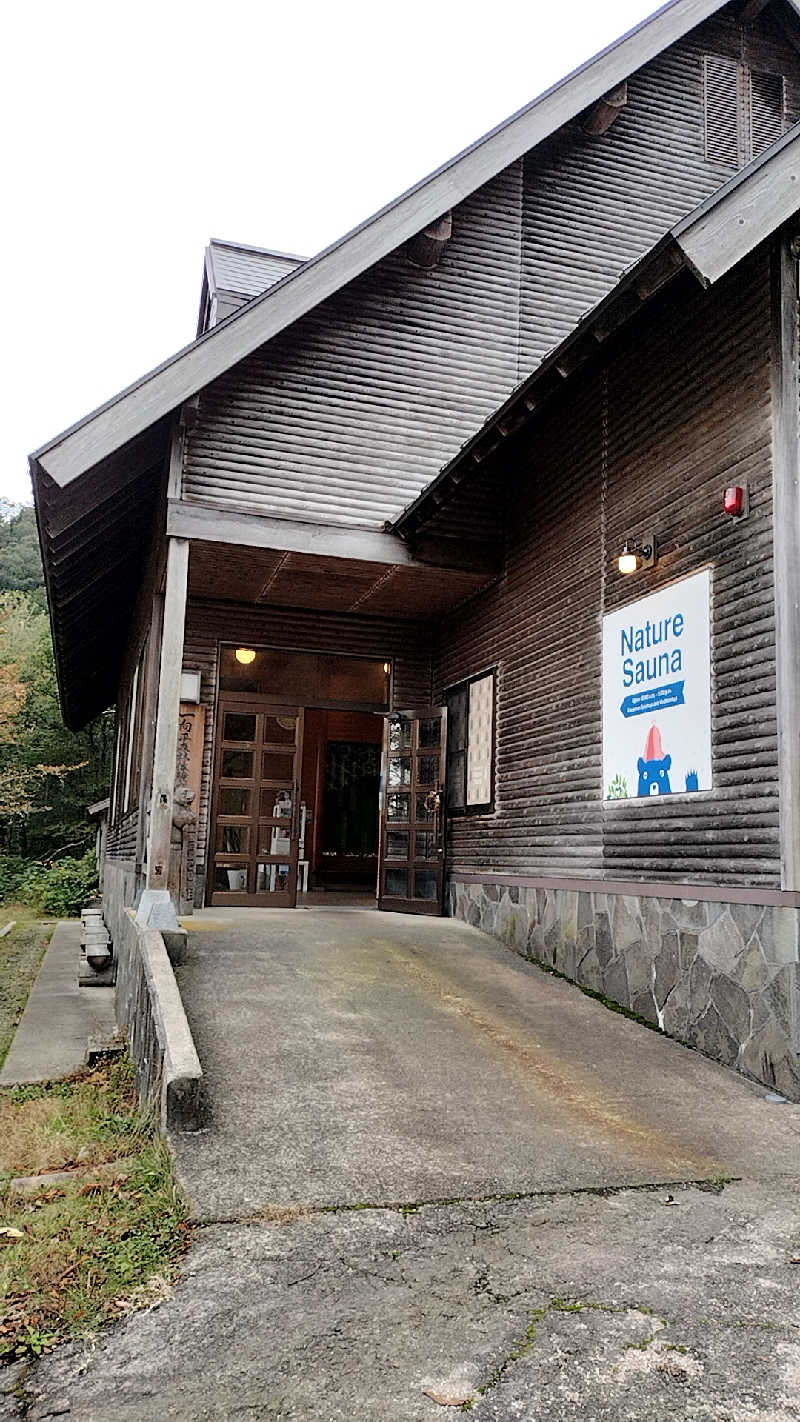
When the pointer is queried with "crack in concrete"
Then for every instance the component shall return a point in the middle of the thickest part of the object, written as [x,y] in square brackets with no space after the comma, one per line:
[290,1214]
[524,1345]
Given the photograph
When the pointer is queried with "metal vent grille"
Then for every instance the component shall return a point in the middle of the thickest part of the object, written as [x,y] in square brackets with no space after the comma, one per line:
[767,107]
[721,88]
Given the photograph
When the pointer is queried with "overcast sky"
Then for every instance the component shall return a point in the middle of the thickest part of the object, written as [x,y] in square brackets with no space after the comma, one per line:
[135,132]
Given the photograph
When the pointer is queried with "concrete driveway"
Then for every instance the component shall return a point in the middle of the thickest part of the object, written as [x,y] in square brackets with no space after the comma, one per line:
[361,1066]
[358,1058]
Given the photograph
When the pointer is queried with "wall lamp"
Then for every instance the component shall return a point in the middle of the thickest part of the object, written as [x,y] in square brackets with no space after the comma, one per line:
[245,655]
[638,555]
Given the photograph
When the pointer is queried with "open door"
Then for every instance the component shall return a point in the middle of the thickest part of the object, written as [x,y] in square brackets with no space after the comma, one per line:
[411,869]
[257,804]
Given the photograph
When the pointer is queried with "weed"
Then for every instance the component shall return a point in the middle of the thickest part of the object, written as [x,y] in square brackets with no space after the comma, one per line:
[98,1242]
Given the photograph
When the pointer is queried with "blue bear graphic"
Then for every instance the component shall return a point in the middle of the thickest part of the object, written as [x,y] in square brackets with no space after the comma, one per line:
[654,766]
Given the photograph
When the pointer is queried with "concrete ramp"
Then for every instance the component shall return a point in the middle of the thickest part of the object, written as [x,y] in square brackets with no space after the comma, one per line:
[359,1058]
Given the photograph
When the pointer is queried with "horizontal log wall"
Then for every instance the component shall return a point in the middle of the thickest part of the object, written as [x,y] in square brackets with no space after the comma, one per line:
[593,206]
[648,441]
[406,644]
[347,415]
[123,836]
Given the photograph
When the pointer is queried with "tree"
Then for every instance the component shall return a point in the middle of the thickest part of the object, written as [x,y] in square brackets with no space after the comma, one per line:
[48,775]
[20,560]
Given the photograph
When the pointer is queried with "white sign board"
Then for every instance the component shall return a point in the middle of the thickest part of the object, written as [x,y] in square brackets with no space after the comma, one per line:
[657,693]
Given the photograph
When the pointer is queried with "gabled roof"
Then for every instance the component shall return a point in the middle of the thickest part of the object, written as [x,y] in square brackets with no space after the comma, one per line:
[247,271]
[708,242]
[150,399]
[235,272]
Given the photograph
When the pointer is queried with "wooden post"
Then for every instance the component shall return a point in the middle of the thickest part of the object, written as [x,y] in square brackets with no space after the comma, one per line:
[786,513]
[150,707]
[169,696]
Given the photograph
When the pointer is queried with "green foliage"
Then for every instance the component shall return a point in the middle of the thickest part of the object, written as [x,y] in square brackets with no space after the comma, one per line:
[48,775]
[100,1243]
[60,889]
[13,869]
[20,560]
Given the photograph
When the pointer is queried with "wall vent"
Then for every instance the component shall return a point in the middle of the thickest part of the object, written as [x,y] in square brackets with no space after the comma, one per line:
[721,88]
[744,110]
[767,110]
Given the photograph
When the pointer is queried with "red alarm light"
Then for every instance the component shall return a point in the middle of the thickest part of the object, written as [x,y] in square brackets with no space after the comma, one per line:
[734,500]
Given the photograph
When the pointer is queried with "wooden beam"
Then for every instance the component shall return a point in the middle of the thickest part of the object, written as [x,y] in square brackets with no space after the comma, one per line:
[169,696]
[786,536]
[727,228]
[207,524]
[210,524]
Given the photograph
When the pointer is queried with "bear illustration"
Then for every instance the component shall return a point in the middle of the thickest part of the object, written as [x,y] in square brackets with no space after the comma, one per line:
[654,767]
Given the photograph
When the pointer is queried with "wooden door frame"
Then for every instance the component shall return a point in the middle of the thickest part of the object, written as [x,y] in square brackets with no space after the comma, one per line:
[431,907]
[255,703]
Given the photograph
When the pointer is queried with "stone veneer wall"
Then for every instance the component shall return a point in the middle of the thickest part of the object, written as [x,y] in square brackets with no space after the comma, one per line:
[722,977]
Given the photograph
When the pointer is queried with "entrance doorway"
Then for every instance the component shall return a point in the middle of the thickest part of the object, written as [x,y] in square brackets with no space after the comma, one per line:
[340,787]
[319,789]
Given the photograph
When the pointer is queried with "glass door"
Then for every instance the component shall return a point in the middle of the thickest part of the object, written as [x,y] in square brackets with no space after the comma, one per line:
[411,872]
[257,795]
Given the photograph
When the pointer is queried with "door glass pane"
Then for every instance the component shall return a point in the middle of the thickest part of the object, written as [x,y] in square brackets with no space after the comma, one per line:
[273,879]
[396,883]
[276,804]
[397,844]
[276,765]
[427,769]
[424,845]
[424,883]
[274,839]
[230,879]
[239,728]
[397,806]
[233,801]
[279,730]
[400,770]
[233,839]
[236,764]
[429,733]
[399,733]
[425,804]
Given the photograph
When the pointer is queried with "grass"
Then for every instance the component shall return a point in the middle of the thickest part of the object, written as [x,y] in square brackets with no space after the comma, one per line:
[83,1250]
[21,953]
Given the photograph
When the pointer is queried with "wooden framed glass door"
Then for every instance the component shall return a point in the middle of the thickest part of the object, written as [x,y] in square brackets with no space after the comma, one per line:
[256,803]
[411,871]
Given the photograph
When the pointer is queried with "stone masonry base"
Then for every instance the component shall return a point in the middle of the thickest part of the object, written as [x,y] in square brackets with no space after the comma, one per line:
[722,977]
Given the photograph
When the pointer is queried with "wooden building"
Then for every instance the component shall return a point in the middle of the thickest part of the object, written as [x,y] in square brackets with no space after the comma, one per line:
[350,561]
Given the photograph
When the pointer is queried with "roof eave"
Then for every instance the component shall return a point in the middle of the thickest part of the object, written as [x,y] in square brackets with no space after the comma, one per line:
[709,242]
[177,379]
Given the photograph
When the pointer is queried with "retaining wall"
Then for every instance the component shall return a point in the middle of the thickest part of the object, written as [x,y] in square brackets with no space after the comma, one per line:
[169,1077]
[723,977]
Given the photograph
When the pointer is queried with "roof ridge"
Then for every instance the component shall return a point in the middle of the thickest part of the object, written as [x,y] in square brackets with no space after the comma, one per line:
[179,377]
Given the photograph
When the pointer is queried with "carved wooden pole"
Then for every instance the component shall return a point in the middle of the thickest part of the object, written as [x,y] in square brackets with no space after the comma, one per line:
[169,695]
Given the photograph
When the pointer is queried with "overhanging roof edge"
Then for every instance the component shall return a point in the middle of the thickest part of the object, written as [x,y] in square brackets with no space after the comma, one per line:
[707,242]
[162,390]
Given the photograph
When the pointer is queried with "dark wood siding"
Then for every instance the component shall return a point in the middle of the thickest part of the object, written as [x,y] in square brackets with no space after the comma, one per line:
[593,206]
[406,644]
[681,408]
[346,416]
